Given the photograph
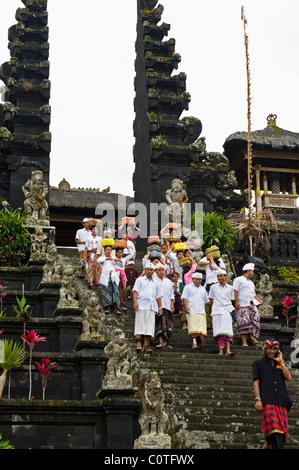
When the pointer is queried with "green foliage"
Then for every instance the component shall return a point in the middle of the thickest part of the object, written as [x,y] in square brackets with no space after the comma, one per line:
[288,274]
[22,309]
[14,238]
[5,444]
[217,231]
[13,355]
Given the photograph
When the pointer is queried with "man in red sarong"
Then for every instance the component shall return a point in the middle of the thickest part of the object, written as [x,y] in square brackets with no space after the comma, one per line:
[272,399]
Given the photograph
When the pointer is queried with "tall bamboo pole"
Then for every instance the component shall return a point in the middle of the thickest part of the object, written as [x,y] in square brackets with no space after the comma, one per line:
[249,144]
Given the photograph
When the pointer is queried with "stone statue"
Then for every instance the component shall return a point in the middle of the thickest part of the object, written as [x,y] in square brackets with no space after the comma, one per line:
[263,291]
[35,204]
[176,197]
[118,365]
[92,321]
[68,291]
[52,269]
[153,419]
[38,245]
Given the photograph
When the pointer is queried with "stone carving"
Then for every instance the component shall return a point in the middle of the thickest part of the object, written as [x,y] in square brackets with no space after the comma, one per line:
[52,269]
[92,320]
[263,291]
[153,419]
[35,204]
[64,185]
[117,376]
[68,291]
[38,245]
[176,198]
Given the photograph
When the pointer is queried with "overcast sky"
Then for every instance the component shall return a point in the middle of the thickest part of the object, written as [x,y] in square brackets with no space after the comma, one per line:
[92,53]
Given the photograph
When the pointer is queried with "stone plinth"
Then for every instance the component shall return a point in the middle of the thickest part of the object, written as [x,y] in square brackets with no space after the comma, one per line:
[121,412]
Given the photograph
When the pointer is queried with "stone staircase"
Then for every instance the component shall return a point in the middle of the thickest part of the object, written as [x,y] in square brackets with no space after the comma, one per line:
[209,399]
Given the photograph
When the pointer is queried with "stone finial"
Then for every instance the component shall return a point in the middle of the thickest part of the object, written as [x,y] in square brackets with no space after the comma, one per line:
[271,119]
[64,185]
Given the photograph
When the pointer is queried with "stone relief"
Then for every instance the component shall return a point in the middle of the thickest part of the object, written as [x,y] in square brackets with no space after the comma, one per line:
[153,419]
[68,291]
[92,320]
[263,291]
[117,372]
[35,204]
[52,269]
[38,245]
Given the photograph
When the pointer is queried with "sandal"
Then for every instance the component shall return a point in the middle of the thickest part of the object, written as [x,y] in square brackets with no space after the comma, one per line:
[160,345]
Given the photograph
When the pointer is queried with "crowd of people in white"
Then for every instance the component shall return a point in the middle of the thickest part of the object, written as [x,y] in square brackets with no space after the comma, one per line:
[171,283]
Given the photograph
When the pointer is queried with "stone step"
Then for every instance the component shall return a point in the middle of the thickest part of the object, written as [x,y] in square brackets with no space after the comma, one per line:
[213,440]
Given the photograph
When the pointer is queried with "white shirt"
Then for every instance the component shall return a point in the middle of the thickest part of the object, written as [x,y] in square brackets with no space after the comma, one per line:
[211,275]
[130,248]
[196,297]
[168,264]
[167,293]
[147,293]
[92,243]
[246,291]
[108,267]
[222,298]
[82,235]
[175,262]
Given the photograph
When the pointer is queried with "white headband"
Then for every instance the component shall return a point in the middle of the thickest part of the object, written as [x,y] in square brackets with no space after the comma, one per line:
[248,267]
[197,275]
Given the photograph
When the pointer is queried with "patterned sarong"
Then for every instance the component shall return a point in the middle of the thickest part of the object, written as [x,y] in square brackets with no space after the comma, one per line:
[164,325]
[275,419]
[248,320]
[110,294]
[221,341]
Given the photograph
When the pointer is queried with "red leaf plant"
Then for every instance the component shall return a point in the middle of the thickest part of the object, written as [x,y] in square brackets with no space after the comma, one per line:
[45,368]
[31,339]
[287,303]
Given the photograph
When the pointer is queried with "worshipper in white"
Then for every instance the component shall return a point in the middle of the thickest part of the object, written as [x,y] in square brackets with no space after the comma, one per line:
[221,296]
[81,238]
[212,265]
[164,319]
[246,302]
[108,281]
[147,293]
[195,298]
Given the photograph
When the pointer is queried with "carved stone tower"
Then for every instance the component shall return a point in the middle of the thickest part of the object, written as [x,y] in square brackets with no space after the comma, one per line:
[167,147]
[25,139]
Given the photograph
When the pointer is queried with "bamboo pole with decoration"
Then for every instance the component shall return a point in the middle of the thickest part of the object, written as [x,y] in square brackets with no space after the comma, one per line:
[249,137]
